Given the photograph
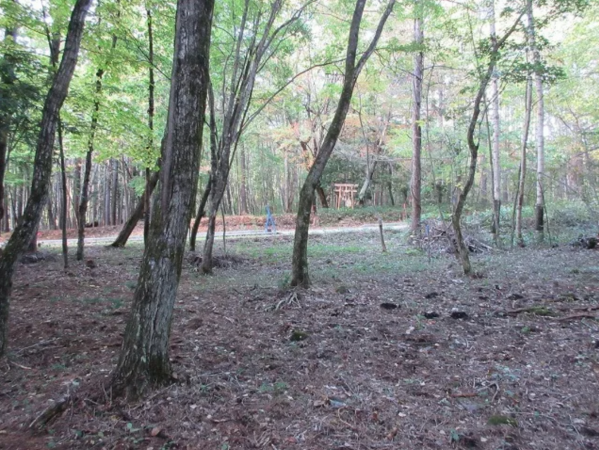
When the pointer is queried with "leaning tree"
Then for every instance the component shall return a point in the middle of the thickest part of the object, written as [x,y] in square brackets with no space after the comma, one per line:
[42,168]
[144,357]
[353,68]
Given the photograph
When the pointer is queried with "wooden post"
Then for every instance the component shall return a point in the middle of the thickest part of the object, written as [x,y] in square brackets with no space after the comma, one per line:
[382,236]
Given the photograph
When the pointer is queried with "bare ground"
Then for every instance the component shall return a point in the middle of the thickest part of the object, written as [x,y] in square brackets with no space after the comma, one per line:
[393,351]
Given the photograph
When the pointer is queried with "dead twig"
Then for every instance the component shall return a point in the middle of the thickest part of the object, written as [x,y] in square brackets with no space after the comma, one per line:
[578,316]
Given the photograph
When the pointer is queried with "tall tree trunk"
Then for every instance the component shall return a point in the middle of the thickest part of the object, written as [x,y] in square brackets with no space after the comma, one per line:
[7,77]
[300,276]
[522,179]
[83,201]
[42,174]
[137,214]
[540,128]
[496,133]
[144,357]
[415,184]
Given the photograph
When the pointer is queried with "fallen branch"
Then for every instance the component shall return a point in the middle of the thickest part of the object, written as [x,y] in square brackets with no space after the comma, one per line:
[51,412]
[578,316]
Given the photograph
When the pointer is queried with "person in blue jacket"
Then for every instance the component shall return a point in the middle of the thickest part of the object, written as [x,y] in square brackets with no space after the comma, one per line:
[270,221]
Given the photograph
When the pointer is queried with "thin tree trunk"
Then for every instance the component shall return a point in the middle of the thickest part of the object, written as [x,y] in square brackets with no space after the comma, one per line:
[201,213]
[390,186]
[83,199]
[107,183]
[144,357]
[151,109]
[540,137]
[300,276]
[115,190]
[42,174]
[63,212]
[416,182]
[137,214]
[496,133]
[522,180]
[243,185]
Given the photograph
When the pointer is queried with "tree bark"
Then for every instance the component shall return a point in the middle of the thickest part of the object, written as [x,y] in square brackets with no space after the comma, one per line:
[300,276]
[416,182]
[144,357]
[42,171]
[137,214]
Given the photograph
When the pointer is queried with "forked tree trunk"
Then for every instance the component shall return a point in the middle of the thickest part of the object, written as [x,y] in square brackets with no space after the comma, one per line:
[462,250]
[42,169]
[300,275]
[415,184]
[144,357]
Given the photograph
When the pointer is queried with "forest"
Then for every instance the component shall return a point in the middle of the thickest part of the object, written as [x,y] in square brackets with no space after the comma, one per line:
[299,224]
